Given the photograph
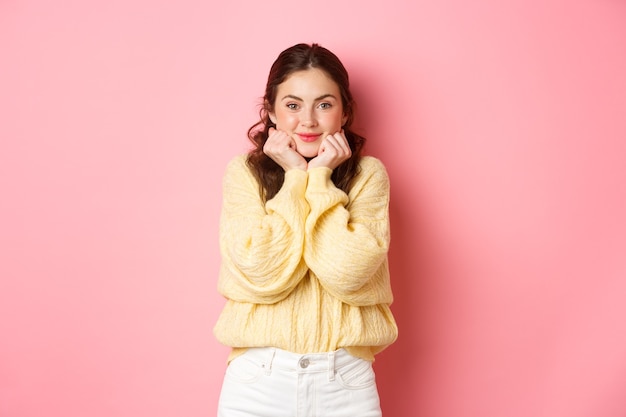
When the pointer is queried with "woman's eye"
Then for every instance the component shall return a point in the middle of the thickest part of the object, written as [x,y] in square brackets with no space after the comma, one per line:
[292,106]
[325,105]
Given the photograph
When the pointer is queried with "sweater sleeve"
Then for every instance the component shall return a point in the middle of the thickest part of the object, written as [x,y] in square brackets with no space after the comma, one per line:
[347,237]
[261,244]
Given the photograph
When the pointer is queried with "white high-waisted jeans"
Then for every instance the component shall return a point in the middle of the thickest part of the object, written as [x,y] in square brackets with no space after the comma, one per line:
[270,382]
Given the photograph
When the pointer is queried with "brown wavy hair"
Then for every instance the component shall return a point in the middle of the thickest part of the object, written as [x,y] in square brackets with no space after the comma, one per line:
[300,57]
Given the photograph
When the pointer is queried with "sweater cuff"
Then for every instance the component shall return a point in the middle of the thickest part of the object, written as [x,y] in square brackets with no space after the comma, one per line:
[292,190]
[295,179]
[294,176]
[319,179]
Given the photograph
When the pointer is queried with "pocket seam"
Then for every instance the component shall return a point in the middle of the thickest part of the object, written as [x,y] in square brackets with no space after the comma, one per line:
[254,375]
[343,383]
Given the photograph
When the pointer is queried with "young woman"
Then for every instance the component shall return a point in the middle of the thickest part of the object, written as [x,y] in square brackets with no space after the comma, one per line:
[304,235]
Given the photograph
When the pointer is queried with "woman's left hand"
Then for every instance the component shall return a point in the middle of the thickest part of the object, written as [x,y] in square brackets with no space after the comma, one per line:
[332,152]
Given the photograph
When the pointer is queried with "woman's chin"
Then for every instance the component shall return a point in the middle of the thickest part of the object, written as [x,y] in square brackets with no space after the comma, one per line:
[308,153]
[308,156]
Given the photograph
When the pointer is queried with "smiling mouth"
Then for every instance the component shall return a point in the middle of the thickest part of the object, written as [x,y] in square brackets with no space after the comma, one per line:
[308,137]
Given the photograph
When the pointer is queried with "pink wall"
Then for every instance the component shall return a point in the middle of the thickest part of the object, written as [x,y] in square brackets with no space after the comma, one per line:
[503,128]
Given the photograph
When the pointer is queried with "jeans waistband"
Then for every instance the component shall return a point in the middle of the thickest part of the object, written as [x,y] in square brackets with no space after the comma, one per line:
[273,358]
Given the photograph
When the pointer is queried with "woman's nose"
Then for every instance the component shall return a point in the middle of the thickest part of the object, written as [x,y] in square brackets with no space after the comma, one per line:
[308,119]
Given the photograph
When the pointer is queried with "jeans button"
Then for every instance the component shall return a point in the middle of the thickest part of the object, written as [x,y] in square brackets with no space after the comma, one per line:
[304,363]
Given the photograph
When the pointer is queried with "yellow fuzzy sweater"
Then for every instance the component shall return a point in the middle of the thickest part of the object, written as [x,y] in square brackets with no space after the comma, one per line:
[307,271]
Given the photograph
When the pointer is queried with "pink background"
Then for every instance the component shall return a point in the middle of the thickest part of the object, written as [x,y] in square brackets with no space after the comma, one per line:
[503,127]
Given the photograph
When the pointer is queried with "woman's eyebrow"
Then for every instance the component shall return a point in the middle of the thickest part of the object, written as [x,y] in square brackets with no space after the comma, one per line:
[322,97]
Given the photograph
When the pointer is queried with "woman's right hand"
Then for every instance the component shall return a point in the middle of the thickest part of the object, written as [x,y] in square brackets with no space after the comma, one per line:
[282,149]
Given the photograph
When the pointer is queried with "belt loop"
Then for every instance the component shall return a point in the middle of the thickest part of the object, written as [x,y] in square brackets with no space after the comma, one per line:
[331,366]
[267,365]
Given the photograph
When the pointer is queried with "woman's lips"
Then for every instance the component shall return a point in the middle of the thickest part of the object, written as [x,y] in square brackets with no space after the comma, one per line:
[308,137]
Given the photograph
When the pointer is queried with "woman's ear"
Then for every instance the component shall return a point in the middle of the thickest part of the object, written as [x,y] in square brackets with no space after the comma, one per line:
[344,119]
[270,112]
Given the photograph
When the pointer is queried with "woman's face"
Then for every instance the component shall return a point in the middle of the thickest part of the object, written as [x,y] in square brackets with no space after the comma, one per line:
[308,108]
